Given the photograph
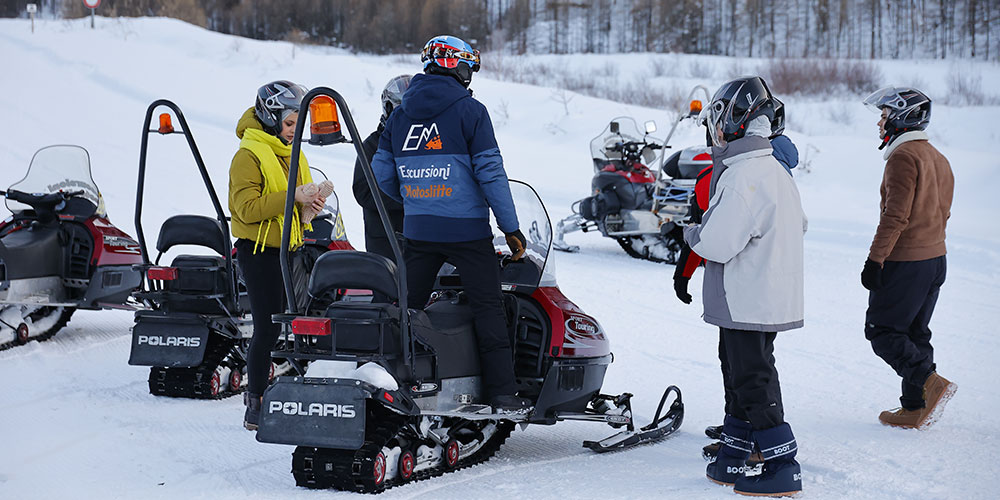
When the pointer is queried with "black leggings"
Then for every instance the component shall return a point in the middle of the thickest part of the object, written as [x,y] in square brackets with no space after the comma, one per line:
[262,275]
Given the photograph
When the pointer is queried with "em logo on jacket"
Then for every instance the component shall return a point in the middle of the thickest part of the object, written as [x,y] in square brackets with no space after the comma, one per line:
[419,134]
[439,158]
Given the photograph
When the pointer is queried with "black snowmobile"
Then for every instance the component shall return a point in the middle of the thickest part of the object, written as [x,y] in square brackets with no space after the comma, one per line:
[639,207]
[391,394]
[58,250]
[195,334]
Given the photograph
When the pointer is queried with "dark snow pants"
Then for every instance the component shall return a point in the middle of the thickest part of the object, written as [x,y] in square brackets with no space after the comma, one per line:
[750,378]
[898,318]
[262,275]
[477,265]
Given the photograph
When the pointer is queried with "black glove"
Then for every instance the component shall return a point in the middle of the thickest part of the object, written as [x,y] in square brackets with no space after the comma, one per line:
[517,244]
[681,289]
[871,275]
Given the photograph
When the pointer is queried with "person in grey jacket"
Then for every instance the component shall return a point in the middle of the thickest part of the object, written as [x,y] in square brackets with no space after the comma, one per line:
[751,237]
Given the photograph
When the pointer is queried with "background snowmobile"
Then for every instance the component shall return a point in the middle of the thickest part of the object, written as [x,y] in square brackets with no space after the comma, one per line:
[637,206]
[58,250]
[401,404]
[195,334]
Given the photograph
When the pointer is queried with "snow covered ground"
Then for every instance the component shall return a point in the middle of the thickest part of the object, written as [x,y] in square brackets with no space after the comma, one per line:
[77,421]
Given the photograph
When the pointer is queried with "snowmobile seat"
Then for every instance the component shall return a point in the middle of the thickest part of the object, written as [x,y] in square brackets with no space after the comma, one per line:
[452,336]
[192,230]
[37,253]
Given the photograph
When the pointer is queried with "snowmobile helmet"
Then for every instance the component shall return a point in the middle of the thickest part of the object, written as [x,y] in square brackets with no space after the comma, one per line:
[778,122]
[275,101]
[392,95]
[449,55]
[735,104]
[909,109]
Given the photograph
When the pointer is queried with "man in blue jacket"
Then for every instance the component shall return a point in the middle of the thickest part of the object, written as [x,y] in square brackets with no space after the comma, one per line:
[440,159]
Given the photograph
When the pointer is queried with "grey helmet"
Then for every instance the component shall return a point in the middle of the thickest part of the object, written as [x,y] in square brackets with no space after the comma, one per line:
[392,95]
[275,101]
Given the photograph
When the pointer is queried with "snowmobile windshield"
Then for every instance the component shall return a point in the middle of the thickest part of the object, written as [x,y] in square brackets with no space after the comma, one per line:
[59,168]
[602,147]
[537,268]
[331,211]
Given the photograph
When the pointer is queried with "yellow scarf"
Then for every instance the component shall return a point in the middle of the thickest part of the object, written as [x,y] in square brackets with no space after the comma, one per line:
[267,148]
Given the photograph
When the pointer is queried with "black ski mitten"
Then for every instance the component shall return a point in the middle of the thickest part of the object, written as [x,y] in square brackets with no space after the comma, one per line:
[681,289]
[871,275]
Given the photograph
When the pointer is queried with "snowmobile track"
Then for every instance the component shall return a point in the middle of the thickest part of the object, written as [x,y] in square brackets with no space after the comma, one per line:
[194,382]
[354,470]
[48,334]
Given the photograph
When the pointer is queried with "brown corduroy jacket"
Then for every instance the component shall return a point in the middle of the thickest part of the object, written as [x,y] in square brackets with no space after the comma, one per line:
[917,190]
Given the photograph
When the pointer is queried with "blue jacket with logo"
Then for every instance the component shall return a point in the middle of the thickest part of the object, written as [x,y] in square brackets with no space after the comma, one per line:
[438,157]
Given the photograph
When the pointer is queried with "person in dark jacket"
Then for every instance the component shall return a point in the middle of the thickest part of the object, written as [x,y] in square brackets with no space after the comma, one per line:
[906,264]
[439,158]
[376,241]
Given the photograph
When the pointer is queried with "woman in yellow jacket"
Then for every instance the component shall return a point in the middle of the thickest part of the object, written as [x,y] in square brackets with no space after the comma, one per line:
[258,182]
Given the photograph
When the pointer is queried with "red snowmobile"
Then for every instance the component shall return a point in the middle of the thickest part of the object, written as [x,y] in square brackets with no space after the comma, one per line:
[392,394]
[58,250]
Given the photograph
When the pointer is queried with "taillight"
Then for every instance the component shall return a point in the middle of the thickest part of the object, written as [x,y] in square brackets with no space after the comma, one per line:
[311,326]
[162,273]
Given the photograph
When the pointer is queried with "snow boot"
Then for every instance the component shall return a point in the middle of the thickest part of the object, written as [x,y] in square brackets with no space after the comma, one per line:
[901,417]
[511,405]
[730,463]
[937,391]
[781,475]
[709,452]
[252,415]
[714,431]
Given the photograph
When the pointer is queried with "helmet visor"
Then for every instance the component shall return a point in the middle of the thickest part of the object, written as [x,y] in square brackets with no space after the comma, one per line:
[448,57]
[887,97]
[714,115]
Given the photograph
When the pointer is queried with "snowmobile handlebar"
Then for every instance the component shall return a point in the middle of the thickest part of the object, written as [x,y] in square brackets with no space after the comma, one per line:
[41,201]
[619,147]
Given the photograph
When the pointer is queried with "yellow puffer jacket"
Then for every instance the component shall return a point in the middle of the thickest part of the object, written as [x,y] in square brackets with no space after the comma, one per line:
[258,183]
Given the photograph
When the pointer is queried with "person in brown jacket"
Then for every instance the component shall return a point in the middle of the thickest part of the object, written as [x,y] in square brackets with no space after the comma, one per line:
[906,264]
[258,182]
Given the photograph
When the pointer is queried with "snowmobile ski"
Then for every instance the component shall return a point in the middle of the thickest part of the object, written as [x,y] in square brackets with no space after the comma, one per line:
[658,429]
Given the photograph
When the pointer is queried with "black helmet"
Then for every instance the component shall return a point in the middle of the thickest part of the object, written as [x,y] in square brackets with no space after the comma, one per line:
[736,103]
[450,55]
[778,122]
[275,101]
[392,95]
[909,109]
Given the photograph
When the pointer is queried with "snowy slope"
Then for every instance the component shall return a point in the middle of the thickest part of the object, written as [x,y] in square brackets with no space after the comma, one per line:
[77,421]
